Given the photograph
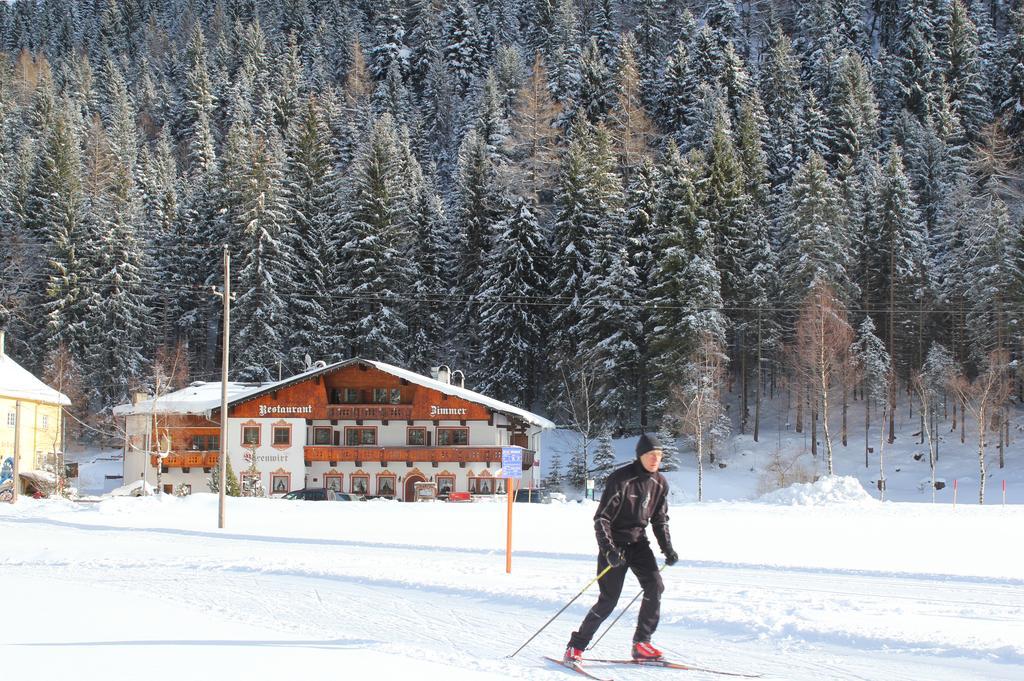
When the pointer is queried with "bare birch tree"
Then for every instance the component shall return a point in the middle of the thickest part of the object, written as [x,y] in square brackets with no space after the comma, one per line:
[697,402]
[986,392]
[823,340]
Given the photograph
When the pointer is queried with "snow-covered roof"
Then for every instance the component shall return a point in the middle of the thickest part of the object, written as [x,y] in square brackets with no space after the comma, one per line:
[200,398]
[16,382]
[463,393]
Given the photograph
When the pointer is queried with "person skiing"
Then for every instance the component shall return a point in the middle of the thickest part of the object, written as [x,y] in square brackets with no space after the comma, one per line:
[633,496]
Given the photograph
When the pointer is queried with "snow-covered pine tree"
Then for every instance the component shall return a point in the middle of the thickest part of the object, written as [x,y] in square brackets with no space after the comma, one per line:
[604,460]
[511,321]
[875,368]
[595,95]
[389,46]
[964,73]
[668,434]
[308,182]
[815,246]
[463,48]
[553,482]
[58,218]
[374,263]
[265,266]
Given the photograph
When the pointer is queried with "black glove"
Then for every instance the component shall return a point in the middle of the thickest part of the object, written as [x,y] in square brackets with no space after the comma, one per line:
[615,557]
[671,557]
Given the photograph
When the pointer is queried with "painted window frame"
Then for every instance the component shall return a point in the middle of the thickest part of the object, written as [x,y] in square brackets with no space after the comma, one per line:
[365,477]
[259,434]
[323,429]
[340,477]
[362,429]
[279,475]
[439,478]
[394,484]
[351,396]
[408,436]
[452,430]
[395,395]
[44,421]
[380,395]
[274,428]
[12,419]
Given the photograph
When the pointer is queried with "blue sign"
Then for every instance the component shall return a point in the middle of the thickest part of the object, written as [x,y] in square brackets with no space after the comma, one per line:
[512,462]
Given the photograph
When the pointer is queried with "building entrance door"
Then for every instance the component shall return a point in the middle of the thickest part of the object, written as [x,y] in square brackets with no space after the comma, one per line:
[410,486]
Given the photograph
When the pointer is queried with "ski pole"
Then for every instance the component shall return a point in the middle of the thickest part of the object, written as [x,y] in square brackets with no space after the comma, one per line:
[599,576]
[628,606]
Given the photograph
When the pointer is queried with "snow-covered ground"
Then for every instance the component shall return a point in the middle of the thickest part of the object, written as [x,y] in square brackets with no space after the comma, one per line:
[820,582]
[813,582]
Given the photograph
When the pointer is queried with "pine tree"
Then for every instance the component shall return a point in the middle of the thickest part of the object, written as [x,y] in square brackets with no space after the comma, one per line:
[554,481]
[511,321]
[964,73]
[308,182]
[232,488]
[815,247]
[374,265]
[595,94]
[604,460]
[668,436]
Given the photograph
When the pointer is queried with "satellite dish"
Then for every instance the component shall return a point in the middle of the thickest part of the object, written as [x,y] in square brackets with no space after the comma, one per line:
[308,360]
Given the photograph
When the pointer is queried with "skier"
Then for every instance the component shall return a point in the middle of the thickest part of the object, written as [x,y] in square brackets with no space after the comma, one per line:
[633,496]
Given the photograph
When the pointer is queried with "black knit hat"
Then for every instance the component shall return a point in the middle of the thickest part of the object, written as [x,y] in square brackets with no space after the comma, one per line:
[648,442]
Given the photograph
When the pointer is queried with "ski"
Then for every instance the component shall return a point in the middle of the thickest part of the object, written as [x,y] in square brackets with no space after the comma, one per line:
[674,665]
[576,667]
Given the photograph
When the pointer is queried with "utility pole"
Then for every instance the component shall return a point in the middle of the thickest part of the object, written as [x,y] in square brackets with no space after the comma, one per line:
[226,295]
[17,450]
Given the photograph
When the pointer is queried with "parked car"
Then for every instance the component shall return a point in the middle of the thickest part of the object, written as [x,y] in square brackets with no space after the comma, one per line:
[533,496]
[312,494]
[342,496]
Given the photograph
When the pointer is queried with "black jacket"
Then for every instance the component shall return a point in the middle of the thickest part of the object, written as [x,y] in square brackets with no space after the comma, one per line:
[632,498]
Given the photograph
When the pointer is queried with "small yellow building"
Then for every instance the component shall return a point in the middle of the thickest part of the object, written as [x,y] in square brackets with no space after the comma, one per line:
[31,426]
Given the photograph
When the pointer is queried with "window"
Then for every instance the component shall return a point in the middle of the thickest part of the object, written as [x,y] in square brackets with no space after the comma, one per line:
[357,437]
[416,436]
[280,484]
[332,481]
[252,484]
[360,483]
[499,486]
[351,395]
[396,396]
[445,484]
[250,435]
[386,486]
[481,486]
[380,395]
[321,435]
[205,443]
[45,422]
[282,436]
[12,419]
[452,436]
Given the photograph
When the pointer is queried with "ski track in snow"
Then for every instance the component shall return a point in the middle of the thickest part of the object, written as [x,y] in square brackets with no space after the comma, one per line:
[448,605]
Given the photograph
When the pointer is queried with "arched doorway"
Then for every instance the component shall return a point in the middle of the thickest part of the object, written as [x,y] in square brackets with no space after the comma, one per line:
[410,485]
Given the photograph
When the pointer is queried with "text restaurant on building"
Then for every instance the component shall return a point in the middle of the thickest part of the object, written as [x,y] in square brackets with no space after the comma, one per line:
[358,426]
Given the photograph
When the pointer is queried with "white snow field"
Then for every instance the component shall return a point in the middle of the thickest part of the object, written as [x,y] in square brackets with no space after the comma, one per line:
[814,583]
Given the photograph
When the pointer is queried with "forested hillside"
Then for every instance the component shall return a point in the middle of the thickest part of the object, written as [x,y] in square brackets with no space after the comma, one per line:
[630,208]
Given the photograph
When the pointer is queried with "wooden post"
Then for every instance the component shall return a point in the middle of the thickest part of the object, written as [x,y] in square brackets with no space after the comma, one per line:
[510,486]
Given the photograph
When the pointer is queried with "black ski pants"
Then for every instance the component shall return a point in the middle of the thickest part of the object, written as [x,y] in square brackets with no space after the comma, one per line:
[640,559]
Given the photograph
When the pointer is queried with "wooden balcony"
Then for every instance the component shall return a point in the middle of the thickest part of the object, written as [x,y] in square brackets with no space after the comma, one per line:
[188,458]
[418,454]
[369,412]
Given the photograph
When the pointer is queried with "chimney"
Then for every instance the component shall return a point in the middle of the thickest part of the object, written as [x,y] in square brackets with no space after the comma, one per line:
[444,373]
[458,378]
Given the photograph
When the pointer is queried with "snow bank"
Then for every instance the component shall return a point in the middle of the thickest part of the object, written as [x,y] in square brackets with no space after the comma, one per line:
[829,490]
[133,489]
